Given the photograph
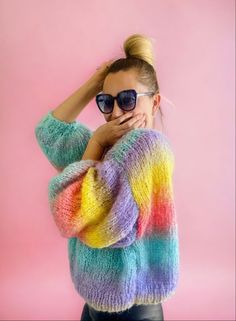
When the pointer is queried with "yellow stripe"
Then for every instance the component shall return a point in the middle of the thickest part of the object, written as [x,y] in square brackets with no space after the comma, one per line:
[95,206]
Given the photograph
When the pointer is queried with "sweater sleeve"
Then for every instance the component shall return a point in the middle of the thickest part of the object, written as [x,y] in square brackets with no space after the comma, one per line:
[114,202]
[62,143]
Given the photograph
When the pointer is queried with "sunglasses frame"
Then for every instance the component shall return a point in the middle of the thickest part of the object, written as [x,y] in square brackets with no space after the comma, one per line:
[136,95]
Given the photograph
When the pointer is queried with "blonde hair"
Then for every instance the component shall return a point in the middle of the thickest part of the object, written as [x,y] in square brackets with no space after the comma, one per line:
[139,53]
[141,47]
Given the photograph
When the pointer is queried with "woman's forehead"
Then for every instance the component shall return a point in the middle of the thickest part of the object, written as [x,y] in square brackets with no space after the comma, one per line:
[121,80]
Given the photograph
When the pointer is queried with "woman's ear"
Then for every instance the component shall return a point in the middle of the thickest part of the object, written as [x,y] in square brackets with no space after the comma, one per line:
[156,103]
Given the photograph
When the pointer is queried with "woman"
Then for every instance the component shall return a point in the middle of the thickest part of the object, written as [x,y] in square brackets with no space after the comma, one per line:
[113,198]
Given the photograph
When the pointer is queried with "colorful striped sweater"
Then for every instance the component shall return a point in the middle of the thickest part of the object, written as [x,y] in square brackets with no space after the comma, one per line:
[118,214]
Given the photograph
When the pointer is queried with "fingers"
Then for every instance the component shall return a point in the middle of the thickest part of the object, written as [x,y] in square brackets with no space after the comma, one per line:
[124,118]
[138,121]
[106,64]
[135,121]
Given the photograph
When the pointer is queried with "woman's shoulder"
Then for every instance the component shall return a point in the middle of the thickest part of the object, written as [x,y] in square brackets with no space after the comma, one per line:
[145,138]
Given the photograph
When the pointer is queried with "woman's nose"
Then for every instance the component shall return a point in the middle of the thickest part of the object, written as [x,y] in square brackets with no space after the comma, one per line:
[117,111]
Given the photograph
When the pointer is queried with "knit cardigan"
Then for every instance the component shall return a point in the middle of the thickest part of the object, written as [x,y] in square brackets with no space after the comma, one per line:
[118,214]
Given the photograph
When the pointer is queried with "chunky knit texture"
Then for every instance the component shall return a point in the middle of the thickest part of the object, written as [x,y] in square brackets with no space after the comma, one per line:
[118,214]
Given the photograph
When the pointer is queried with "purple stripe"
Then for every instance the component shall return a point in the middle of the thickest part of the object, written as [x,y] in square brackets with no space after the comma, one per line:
[124,210]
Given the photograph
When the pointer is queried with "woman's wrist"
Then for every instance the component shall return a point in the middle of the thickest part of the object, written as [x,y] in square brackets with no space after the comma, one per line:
[93,150]
[94,86]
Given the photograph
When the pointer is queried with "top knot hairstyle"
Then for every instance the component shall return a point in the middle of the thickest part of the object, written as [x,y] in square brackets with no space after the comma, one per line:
[140,47]
[138,50]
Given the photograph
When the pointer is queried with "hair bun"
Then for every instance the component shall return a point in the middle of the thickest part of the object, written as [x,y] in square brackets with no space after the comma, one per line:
[139,46]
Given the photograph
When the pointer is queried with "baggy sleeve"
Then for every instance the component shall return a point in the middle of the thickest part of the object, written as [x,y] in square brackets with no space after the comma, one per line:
[113,203]
[61,142]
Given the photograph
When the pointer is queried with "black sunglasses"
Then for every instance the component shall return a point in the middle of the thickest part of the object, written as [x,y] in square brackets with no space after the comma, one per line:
[126,100]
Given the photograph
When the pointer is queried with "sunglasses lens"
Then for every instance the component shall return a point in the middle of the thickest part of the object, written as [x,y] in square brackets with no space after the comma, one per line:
[127,99]
[105,103]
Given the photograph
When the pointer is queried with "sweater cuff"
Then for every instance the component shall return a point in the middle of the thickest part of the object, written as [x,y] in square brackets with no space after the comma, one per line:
[61,142]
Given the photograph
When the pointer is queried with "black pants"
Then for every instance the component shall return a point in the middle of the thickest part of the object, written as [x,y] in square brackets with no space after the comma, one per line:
[151,312]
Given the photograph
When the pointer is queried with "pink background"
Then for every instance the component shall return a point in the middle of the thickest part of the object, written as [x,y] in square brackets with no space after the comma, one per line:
[48,49]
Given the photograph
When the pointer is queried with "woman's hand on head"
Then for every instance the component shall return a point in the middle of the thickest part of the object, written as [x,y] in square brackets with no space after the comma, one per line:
[108,133]
[101,72]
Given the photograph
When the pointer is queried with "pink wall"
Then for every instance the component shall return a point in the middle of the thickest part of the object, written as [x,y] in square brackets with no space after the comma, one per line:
[48,49]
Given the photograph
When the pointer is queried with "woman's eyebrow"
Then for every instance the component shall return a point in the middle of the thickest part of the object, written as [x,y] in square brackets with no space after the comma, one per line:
[102,92]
